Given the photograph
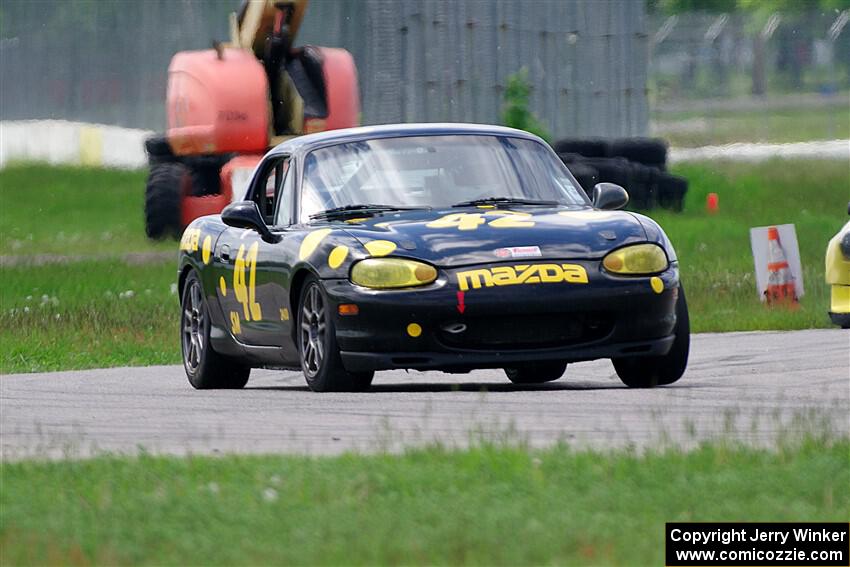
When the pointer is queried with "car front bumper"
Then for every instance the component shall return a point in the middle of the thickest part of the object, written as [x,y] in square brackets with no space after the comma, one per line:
[432,327]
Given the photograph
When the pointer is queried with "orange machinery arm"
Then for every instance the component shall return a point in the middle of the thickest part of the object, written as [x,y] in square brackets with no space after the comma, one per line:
[258,19]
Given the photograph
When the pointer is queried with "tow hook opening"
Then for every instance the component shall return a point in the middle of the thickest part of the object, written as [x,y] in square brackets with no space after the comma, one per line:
[454,328]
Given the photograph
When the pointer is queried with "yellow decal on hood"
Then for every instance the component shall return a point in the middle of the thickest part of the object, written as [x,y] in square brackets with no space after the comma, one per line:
[523,274]
[380,247]
[311,242]
[471,221]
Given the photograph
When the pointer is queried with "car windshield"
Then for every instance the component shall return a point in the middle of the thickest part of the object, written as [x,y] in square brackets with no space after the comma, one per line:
[434,171]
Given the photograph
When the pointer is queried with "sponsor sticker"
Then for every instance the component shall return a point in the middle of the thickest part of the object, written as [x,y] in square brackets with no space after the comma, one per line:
[519,252]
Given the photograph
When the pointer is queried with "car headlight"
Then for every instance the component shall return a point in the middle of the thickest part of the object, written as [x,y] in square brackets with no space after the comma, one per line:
[636,260]
[388,273]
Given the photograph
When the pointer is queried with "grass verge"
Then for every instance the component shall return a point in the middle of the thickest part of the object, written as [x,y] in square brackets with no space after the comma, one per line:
[714,250]
[85,322]
[71,210]
[88,314]
[706,128]
[487,505]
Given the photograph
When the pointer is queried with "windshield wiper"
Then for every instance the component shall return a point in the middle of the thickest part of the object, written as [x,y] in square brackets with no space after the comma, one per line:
[367,209]
[504,201]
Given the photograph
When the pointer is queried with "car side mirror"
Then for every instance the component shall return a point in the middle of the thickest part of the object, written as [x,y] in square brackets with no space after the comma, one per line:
[609,196]
[245,214]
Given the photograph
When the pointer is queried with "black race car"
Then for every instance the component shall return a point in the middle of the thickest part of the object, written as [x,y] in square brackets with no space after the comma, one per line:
[431,247]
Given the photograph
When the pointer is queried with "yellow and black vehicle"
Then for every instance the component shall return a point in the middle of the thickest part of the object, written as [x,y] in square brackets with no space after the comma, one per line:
[838,276]
[431,247]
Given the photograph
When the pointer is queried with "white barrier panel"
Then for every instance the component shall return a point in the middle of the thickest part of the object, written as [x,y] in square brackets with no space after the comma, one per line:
[73,143]
[825,149]
[98,145]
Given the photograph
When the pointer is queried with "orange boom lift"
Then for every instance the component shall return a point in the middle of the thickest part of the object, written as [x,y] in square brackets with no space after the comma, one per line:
[227,105]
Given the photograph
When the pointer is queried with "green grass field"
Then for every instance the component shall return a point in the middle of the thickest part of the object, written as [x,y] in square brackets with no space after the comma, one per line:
[85,322]
[714,250]
[694,129]
[68,210]
[88,314]
[490,505]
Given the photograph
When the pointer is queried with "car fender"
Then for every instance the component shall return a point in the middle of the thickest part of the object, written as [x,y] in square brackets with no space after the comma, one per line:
[197,246]
[328,252]
[654,233]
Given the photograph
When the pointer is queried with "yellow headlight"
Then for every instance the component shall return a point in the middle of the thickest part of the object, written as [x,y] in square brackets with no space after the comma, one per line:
[636,260]
[386,273]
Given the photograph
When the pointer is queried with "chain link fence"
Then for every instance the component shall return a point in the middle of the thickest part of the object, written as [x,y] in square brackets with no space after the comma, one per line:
[701,55]
[418,60]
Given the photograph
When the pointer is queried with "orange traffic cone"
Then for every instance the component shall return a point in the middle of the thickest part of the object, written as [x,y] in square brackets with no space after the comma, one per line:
[780,282]
[712,203]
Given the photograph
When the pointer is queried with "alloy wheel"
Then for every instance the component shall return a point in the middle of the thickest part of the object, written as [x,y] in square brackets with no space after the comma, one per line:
[193,323]
[313,327]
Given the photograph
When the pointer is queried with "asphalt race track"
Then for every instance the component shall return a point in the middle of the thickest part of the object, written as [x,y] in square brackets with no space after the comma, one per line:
[750,386]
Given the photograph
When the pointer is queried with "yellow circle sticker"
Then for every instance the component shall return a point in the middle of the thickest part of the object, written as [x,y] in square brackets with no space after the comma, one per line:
[657,284]
[337,256]
[206,249]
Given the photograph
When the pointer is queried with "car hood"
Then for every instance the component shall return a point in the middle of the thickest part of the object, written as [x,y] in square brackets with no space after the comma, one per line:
[457,237]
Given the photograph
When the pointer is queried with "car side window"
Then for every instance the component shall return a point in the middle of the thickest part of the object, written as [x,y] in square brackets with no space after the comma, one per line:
[267,190]
[284,207]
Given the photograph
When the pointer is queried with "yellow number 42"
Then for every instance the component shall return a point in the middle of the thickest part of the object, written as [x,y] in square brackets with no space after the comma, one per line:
[471,221]
[247,294]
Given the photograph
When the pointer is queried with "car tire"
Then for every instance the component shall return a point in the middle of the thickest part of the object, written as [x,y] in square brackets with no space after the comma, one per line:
[536,372]
[651,371]
[162,200]
[317,345]
[159,150]
[205,368]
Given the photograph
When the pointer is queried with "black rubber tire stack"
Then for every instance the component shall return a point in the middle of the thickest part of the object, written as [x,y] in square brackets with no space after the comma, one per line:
[651,152]
[613,170]
[586,147]
[586,175]
[644,188]
[671,191]
[637,164]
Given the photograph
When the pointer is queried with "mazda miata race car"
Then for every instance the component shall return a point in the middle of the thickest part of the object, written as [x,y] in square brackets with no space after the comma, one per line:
[430,247]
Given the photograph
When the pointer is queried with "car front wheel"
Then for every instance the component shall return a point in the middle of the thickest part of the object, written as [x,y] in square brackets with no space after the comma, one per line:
[651,371]
[320,358]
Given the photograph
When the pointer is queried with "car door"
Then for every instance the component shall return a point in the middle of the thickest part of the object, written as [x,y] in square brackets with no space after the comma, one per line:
[252,287]
[274,263]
